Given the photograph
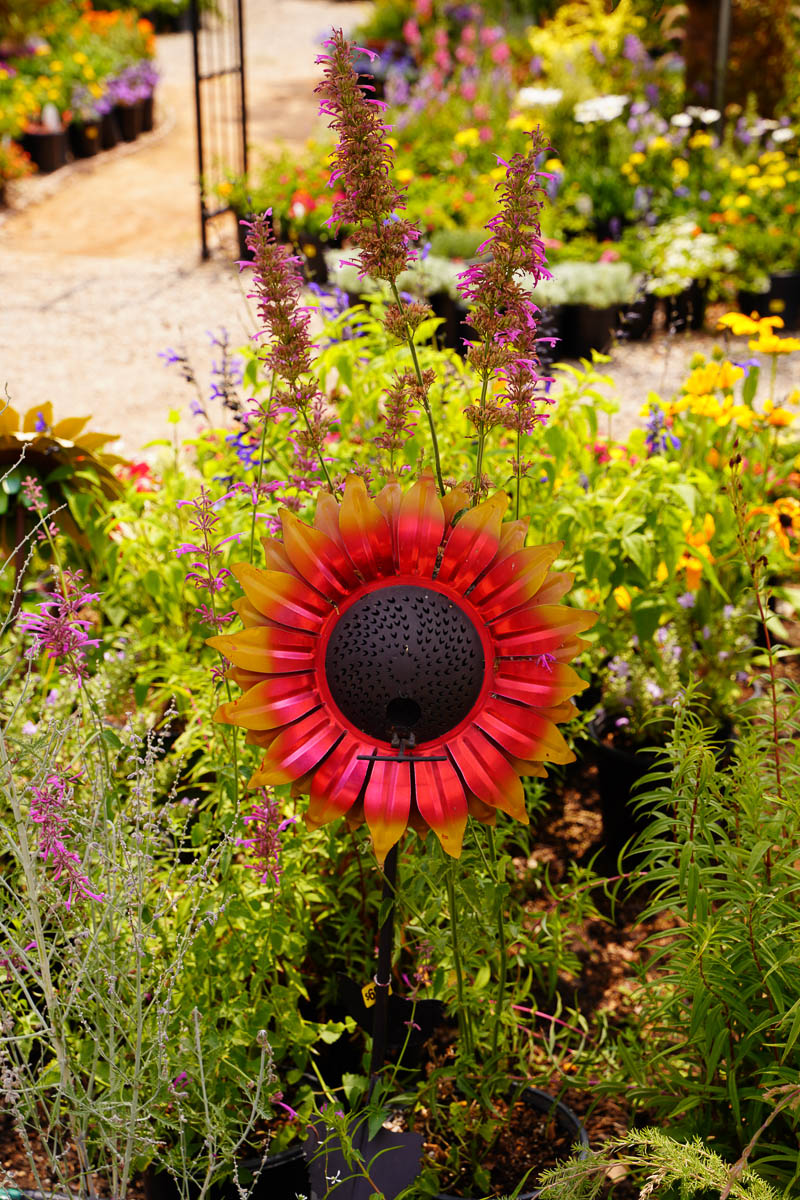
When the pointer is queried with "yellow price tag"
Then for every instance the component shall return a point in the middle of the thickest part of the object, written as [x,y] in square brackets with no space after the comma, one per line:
[369,993]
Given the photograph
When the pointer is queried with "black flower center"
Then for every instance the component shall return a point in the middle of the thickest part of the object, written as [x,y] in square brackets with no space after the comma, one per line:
[405,660]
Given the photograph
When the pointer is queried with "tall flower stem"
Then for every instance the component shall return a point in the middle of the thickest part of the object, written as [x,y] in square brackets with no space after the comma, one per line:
[260,468]
[501,942]
[383,975]
[481,436]
[464,1019]
[426,402]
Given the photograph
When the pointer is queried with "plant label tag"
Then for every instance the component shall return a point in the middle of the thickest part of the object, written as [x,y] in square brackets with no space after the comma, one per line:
[368,993]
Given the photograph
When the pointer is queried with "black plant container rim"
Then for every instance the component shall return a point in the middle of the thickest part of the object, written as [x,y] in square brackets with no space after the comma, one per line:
[566,1118]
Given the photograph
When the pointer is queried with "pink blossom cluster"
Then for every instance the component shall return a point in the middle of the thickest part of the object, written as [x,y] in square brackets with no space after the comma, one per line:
[265,843]
[204,575]
[59,628]
[49,810]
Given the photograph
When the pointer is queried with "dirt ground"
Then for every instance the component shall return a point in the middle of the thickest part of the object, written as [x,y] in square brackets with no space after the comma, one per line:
[100,265]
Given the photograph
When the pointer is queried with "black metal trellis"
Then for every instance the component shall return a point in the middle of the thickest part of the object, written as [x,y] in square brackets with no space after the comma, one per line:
[220,102]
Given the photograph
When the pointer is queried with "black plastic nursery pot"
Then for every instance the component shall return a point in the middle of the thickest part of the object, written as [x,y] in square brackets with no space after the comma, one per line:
[283,1174]
[148,113]
[754,302]
[85,138]
[586,329]
[784,296]
[47,148]
[565,1118]
[109,131]
[636,319]
[129,117]
[687,309]
[312,250]
[620,769]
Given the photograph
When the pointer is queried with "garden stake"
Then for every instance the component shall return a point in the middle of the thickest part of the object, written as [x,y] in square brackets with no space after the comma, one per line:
[383,975]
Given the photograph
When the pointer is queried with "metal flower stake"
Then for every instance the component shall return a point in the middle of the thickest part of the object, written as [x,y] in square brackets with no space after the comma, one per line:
[404,659]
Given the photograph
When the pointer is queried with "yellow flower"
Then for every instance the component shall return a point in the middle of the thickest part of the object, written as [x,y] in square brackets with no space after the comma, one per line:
[699,140]
[738,173]
[497,173]
[770,343]
[702,536]
[404,174]
[79,57]
[88,71]
[55,65]
[467,137]
[659,143]
[777,416]
[742,201]
[743,416]
[702,380]
[623,598]
[694,571]
[554,164]
[792,176]
[784,522]
[392,143]
[728,375]
[723,163]
[518,121]
[751,169]
[662,574]
[636,158]
[680,167]
[738,323]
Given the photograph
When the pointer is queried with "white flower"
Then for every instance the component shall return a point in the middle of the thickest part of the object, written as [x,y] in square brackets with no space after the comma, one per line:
[763,125]
[695,111]
[784,134]
[681,120]
[709,115]
[600,108]
[531,97]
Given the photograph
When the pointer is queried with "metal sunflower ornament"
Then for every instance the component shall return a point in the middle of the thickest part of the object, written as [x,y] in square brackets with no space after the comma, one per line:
[405,660]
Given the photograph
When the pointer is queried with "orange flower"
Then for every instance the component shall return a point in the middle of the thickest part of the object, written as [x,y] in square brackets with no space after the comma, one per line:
[404,661]
[784,522]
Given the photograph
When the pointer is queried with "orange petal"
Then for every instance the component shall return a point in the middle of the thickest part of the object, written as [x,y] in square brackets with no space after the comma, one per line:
[539,629]
[387,803]
[442,801]
[297,749]
[512,536]
[249,613]
[513,580]
[275,556]
[388,501]
[480,811]
[9,420]
[365,531]
[281,597]
[336,785]
[487,773]
[271,702]
[93,441]
[473,543]
[555,587]
[419,528]
[267,649]
[522,732]
[244,679]
[326,515]
[261,737]
[536,685]
[453,502]
[318,558]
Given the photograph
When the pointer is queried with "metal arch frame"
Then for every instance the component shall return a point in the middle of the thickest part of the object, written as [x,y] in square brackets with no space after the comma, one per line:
[202,77]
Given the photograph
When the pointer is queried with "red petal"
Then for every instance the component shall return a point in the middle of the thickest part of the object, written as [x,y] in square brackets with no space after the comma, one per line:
[297,749]
[539,629]
[336,785]
[271,702]
[523,732]
[420,528]
[442,801]
[267,649]
[365,532]
[319,559]
[282,598]
[387,802]
[539,686]
[473,543]
[487,772]
[513,581]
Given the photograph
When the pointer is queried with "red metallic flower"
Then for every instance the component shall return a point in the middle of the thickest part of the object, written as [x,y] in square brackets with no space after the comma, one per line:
[404,661]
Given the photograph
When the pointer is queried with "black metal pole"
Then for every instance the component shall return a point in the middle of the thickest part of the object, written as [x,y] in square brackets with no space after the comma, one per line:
[194,12]
[242,86]
[383,975]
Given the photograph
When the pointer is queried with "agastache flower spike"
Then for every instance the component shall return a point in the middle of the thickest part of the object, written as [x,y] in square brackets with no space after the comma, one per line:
[60,629]
[362,162]
[278,283]
[204,576]
[49,810]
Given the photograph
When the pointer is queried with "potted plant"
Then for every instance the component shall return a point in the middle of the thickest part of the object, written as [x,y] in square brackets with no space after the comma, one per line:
[592,296]
[45,138]
[682,262]
[14,164]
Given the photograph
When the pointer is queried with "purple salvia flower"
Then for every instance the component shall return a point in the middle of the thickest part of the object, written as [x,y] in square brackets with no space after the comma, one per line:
[265,843]
[204,575]
[50,811]
[59,629]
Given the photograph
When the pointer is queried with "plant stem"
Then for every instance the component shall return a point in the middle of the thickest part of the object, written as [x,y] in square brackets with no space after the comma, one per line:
[501,939]
[464,1021]
[260,469]
[425,402]
[481,437]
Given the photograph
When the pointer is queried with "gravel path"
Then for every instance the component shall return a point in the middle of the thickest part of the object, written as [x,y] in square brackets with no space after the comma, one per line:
[100,266]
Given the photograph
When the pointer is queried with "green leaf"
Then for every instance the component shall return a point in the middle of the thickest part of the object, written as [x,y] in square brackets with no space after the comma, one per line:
[688,495]
[111,739]
[750,386]
[12,483]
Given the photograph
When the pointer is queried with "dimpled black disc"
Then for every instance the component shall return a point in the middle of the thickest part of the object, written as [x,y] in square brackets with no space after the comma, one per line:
[405,660]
